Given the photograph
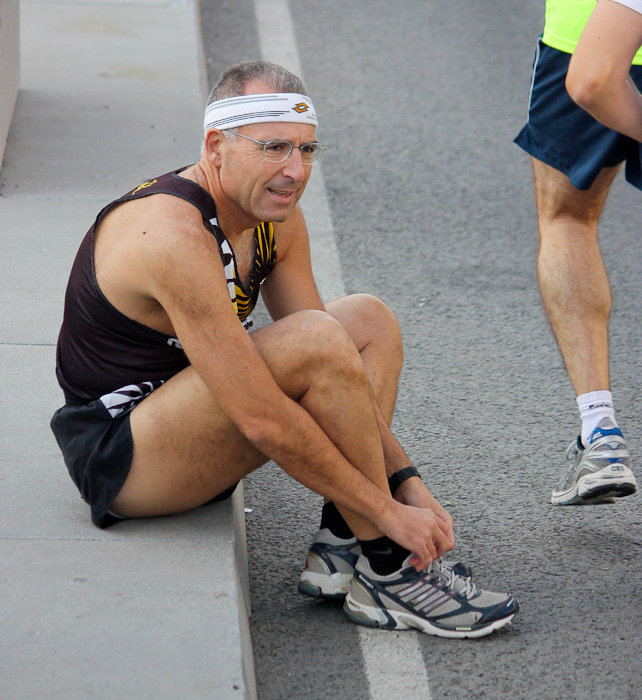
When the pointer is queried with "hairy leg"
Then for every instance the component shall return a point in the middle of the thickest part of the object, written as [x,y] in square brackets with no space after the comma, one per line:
[572,278]
[186,450]
[374,329]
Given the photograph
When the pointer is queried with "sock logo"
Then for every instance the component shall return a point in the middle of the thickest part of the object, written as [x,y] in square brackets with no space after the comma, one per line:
[602,404]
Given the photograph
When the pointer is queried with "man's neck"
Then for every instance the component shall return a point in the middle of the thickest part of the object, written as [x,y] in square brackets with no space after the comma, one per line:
[232,220]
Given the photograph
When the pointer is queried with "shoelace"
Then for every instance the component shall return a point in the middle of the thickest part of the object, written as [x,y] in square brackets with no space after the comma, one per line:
[466,587]
[462,585]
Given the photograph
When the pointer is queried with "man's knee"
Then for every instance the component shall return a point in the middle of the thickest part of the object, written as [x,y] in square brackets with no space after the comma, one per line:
[381,325]
[378,314]
[323,343]
[367,318]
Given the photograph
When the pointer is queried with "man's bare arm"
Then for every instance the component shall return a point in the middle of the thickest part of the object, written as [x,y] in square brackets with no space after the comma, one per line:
[291,288]
[186,276]
[598,76]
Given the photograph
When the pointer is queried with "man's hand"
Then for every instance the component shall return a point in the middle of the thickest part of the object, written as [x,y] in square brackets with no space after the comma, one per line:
[413,492]
[419,530]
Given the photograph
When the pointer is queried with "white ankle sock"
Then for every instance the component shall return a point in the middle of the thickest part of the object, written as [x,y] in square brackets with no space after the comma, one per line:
[595,406]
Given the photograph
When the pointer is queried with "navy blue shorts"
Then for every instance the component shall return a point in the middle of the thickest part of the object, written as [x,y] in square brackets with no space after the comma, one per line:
[564,136]
[97,446]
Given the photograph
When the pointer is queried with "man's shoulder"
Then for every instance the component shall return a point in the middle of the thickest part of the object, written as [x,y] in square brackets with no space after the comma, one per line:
[632,4]
[161,209]
[155,227]
[177,184]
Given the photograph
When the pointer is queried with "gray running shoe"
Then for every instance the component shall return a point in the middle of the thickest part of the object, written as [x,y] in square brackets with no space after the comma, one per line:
[598,473]
[330,563]
[329,566]
[436,601]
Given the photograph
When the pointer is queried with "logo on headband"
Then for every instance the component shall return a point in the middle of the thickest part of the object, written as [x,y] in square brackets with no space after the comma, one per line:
[301,107]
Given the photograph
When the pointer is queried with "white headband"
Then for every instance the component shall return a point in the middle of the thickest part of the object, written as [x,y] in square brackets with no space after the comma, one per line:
[256,109]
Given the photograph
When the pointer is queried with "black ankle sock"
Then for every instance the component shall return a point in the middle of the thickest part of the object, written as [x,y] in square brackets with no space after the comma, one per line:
[333,521]
[385,555]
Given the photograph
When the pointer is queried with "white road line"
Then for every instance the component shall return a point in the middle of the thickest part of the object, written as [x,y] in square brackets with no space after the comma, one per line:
[278,44]
[394,666]
[393,662]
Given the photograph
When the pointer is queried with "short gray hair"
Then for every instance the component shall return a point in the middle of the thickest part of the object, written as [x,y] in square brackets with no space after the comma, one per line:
[233,81]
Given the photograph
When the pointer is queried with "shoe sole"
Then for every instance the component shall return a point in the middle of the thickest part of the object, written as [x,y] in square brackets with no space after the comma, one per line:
[595,489]
[369,616]
[326,586]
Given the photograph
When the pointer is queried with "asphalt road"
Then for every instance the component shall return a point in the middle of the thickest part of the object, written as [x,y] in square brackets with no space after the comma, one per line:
[433,212]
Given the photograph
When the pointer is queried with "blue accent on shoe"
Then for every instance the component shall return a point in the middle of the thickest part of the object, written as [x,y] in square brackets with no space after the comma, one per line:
[323,550]
[600,432]
[599,472]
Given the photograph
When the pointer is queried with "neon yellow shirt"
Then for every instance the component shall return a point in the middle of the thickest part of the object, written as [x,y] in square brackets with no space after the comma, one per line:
[565,20]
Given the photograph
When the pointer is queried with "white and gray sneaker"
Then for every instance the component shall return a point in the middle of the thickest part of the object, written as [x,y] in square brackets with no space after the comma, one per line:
[599,472]
[436,601]
[329,566]
[330,563]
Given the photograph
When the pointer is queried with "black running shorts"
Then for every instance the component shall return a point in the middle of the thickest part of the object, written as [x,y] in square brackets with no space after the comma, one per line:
[97,446]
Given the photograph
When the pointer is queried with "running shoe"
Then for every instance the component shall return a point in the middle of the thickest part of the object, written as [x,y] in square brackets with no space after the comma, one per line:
[598,473]
[329,566]
[436,601]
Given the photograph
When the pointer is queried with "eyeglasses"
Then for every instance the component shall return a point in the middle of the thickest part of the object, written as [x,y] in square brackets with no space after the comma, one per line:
[276,151]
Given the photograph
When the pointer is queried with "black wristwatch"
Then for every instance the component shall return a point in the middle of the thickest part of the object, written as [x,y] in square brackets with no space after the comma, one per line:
[399,477]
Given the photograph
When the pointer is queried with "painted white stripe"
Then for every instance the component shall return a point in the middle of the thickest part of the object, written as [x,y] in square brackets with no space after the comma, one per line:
[278,44]
[394,666]
[276,34]
[393,662]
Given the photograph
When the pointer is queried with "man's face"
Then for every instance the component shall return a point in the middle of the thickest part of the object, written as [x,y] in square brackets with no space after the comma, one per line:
[263,190]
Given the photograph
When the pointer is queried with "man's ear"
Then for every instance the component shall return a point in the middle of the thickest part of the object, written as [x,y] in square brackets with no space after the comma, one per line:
[213,141]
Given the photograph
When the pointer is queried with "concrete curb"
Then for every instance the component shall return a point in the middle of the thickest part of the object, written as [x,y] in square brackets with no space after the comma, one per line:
[112,92]
[9,65]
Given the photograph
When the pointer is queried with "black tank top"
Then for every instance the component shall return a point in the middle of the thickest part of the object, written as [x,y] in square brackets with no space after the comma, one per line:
[99,348]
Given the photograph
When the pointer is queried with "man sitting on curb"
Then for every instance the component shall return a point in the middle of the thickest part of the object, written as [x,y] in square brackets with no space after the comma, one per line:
[170,401]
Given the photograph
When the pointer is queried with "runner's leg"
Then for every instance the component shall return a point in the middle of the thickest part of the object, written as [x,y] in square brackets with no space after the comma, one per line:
[572,278]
